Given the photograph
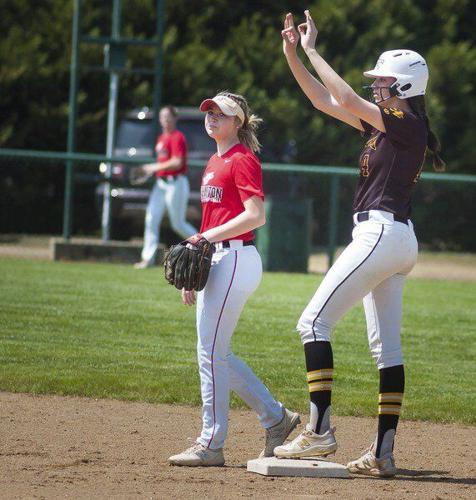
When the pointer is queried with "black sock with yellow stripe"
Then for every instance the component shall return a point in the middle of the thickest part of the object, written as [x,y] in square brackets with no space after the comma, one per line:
[392,384]
[320,366]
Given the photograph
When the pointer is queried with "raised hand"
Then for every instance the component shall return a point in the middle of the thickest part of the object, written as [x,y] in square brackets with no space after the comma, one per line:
[308,32]
[289,34]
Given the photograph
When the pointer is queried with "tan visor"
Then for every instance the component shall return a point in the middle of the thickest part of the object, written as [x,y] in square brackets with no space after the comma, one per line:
[227,105]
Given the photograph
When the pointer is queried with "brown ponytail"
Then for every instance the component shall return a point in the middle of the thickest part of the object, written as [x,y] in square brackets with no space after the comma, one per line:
[247,131]
[172,109]
[418,106]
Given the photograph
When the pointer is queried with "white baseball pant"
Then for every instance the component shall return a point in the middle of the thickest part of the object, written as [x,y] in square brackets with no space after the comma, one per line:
[235,274]
[373,267]
[172,195]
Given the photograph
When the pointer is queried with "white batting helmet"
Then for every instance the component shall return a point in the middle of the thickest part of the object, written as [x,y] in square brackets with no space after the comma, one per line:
[408,67]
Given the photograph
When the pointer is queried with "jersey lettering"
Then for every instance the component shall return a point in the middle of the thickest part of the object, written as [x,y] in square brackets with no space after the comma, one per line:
[395,112]
[372,143]
[208,177]
[364,165]
[211,193]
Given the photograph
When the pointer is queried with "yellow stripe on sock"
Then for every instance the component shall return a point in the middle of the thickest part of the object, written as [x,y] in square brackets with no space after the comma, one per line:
[320,386]
[319,374]
[390,397]
[389,410]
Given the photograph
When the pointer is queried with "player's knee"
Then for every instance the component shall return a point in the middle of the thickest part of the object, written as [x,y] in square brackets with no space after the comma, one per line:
[208,352]
[151,219]
[312,330]
[148,218]
[177,225]
[386,359]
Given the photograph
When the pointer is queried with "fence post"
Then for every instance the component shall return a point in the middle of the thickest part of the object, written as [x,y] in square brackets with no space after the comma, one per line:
[333,219]
[158,68]
[111,123]
[71,143]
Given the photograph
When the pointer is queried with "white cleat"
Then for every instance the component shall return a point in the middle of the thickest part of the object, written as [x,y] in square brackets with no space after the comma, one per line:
[308,444]
[199,456]
[143,264]
[369,465]
[276,435]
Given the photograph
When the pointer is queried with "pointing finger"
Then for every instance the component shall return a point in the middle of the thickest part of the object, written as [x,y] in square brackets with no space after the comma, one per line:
[309,19]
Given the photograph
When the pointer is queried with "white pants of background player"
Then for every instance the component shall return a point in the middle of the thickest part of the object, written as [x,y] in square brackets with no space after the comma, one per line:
[171,194]
[373,268]
[234,276]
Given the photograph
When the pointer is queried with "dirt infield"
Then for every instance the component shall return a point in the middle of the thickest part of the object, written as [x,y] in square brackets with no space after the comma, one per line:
[68,447]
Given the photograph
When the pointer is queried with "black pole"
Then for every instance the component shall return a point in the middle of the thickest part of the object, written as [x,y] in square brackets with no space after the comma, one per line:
[71,141]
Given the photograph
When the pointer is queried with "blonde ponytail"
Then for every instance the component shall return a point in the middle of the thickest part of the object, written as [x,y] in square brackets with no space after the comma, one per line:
[247,133]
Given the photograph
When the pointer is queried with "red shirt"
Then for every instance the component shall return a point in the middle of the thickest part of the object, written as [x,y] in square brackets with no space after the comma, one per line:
[227,182]
[169,145]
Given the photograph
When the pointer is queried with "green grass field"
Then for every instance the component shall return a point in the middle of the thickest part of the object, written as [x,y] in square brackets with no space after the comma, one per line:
[104,330]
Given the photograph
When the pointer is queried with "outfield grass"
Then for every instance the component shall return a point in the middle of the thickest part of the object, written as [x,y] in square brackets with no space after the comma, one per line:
[104,330]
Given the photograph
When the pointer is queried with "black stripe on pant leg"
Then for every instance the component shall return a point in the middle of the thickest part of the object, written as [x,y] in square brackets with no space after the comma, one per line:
[344,280]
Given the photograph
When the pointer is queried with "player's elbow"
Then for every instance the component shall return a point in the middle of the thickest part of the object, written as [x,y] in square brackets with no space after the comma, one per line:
[176,162]
[261,220]
[347,99]
[317,105]
[257,218]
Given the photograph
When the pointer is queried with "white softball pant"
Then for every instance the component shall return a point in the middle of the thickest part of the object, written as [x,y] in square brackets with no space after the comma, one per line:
[373,268]
[171,195]
[235,274]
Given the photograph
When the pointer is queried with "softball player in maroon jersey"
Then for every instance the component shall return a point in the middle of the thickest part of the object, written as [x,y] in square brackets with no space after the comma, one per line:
[384,247]
[232,205]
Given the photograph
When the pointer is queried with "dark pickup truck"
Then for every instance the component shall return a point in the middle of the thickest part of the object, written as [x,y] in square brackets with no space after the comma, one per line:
[135,138]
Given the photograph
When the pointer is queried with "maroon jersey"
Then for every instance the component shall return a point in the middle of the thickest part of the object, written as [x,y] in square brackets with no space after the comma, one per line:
[390,163]
[227,182]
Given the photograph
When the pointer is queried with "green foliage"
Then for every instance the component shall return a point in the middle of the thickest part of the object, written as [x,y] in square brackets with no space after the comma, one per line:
[220,44]
[212,45]
[104,330]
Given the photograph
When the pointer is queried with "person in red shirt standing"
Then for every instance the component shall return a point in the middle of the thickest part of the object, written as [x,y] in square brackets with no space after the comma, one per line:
[171,189]
[232,203]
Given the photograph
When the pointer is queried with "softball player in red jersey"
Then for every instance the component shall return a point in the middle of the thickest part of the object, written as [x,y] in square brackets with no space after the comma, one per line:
[384,247]
[232,204]
[171,189]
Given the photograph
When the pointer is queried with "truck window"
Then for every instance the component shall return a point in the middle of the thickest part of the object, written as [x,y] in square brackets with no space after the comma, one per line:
[135,134]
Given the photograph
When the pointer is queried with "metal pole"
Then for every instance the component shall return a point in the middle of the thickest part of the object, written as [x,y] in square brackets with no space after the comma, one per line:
[158,65]
[71,141]
[111,125]
[333,219]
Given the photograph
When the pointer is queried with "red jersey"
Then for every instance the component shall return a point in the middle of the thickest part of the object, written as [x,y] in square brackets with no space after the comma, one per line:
[169,145]
[227,182]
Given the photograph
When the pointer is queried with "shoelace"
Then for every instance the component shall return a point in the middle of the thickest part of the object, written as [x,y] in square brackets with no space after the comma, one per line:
[310,433]
[194,447]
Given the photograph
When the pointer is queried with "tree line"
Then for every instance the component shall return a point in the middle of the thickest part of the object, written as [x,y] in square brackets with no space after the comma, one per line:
[211,45]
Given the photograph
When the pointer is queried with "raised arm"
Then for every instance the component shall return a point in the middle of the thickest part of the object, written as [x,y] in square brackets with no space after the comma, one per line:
[320,97]
[342,92]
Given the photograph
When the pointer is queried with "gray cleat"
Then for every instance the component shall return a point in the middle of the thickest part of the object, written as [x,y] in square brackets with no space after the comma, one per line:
[276,435]
[198,456]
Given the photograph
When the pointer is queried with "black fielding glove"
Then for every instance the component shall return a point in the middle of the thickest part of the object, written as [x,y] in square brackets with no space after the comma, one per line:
[187,265]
